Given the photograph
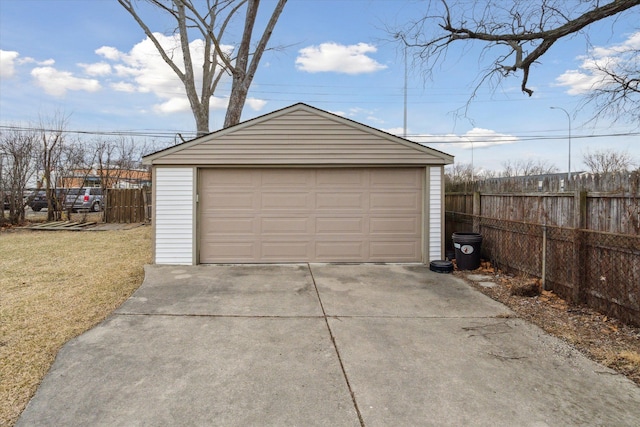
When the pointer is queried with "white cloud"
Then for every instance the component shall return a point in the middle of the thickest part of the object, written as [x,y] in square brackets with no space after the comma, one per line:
[579,82]
[395,131]
[29,60]
[109,52]
[173,105]
[143,70]
[57,83]
[96,69]
[124,71]
[589,75]
[218,103]
[256,104]
[632,43]
[7,63]
[123,87]
[474,138]
[333,57]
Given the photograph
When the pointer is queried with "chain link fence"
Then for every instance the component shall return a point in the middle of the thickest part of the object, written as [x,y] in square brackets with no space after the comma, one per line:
[601,270]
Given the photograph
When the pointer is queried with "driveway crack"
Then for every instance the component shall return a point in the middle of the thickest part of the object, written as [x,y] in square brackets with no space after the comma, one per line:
[335,347]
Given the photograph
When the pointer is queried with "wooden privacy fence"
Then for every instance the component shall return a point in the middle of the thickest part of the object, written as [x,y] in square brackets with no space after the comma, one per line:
[584,245]
[597,211]
[127,205]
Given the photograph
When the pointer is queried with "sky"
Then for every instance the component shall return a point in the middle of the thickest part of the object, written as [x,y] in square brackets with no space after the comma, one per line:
[89,61]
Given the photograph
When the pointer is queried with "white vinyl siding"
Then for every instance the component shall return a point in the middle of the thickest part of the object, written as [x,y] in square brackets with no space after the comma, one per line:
[174,215]
[435,213]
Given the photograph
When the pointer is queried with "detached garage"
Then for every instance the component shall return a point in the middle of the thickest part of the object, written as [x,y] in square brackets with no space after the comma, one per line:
[298,185]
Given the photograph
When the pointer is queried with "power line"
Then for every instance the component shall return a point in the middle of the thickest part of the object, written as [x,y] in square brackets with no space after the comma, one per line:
[133,133]
[463,139]
[432,139]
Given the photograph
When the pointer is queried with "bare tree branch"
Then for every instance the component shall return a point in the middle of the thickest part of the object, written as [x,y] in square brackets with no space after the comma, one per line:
[608,161]
[243,74]
[211,22]
[528,28]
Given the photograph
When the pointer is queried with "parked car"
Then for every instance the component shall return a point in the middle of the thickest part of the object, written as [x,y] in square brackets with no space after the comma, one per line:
[84,199]
[6,201]
[38,199]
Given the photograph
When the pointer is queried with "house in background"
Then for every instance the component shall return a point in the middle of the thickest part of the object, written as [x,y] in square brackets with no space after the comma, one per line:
[106,178]
[298,185]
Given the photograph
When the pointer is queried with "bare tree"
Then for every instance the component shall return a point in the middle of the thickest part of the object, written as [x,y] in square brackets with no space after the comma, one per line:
[211,23]
[527,168]
[458,176]
[607,161]
[615,90]
[51,134]
[515,34]
[105,163]
[18,149]
[115,158]
[74,168]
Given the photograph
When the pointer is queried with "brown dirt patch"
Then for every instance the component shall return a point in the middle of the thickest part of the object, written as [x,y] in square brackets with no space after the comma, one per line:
[54,286]
[601,338]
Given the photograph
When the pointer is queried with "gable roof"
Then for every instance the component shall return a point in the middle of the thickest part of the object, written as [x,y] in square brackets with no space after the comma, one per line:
[298,135]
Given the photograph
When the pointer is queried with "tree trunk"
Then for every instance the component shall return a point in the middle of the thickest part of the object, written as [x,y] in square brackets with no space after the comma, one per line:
[189,19]
[201,114]
[243,72]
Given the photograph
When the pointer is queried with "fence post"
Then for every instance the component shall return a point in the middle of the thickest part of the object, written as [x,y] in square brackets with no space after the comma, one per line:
[476,211]
[579,247]
[107,205]
[544,257]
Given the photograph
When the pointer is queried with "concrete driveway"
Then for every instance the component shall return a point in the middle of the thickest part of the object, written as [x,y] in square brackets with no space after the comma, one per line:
[322,345]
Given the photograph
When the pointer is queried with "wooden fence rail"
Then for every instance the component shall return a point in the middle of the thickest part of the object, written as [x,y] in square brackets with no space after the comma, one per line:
[127,205]
[598,269]
[590,236]
[611,213]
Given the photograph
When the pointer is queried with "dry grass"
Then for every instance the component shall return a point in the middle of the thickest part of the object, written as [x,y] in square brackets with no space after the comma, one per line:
[54,286]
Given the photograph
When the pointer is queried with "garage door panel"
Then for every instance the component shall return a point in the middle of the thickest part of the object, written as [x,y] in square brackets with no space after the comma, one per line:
[344,251]
[305,215]
[339,225]
[282,251]
[231,251]
[232,177]
[403,178]
[284,200]
[230,201]
[339,201]
[285,225]
[340,178]
[396,201]
[234,226]
[285,178]
[393,251]
[394,225]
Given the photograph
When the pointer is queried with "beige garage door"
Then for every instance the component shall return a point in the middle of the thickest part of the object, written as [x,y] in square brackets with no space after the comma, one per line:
[300,215]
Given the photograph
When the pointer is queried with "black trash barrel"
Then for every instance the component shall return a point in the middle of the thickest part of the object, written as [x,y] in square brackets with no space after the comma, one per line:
[467,246]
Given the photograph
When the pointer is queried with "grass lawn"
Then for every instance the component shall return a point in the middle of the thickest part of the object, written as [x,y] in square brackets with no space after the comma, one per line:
[54,286]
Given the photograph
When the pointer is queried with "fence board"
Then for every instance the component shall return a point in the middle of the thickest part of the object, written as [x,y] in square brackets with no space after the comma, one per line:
[608,213]
[592,242]
[127,205]
[623,182]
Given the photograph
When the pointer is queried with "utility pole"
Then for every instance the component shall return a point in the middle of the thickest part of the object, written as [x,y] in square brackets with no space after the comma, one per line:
[569,118]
